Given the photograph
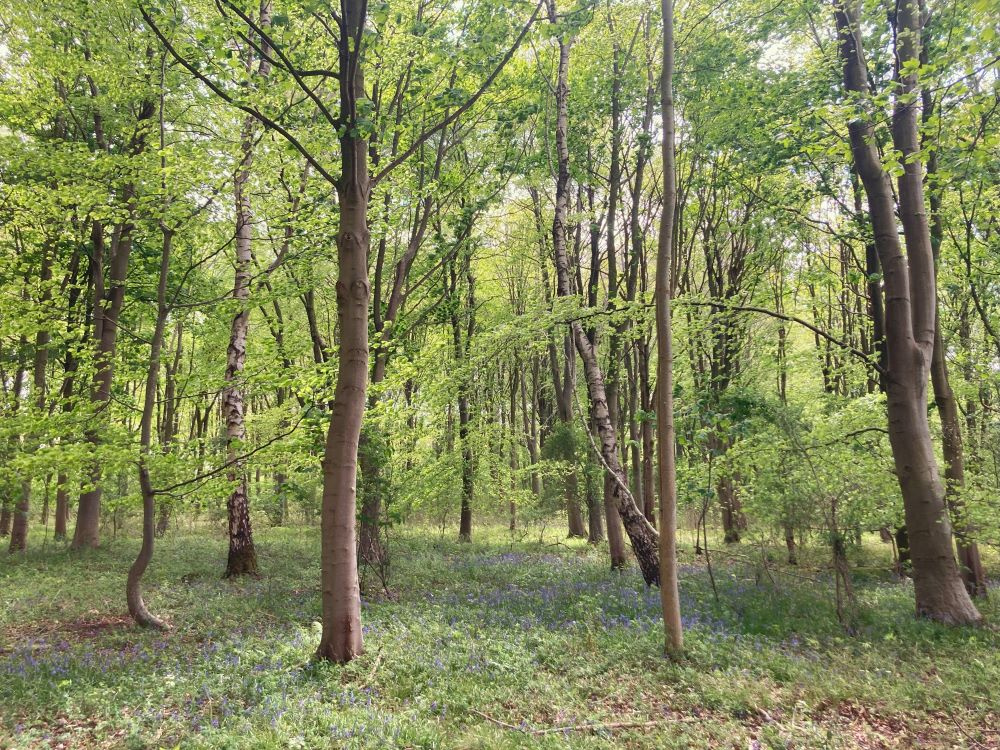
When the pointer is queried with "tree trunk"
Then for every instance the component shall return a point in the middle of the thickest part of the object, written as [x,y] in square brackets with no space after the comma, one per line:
[133,586]
[464,414]
[595,516]
[910,318]
[665,434]
[793,557]
[642,535]
[341,640]
[62,506]
[731,509]
[969,560]
[19,527]
[107,310]
[19,531]
[242,560]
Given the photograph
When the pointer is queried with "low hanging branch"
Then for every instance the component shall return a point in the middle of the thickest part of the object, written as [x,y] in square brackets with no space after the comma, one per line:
[235,460]
[866,358]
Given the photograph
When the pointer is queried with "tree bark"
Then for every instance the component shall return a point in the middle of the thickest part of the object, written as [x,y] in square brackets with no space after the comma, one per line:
[969,560]
[242,560]
[133,586]
[19,529]
[107,310]
[665,434]
[641,534]
[341,640]
[910,317]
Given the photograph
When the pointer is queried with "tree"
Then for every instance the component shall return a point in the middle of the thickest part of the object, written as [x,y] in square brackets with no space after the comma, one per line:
[665,435]
[910,310]
[641,534]
[242,553]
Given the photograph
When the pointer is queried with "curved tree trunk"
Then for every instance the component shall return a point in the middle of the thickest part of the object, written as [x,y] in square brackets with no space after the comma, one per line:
[133,586]
[910,318]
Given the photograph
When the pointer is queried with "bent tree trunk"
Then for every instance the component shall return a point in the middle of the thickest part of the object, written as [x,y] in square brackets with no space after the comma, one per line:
[910,312]
[341,640]
[133,586]
[641,534]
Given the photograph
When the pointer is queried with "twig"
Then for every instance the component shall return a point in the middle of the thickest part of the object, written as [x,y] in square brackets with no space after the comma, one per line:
[586,727]
[617,725]
[499,723]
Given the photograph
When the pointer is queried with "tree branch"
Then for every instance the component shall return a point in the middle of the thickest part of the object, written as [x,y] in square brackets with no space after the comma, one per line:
[214,87]
[422,138]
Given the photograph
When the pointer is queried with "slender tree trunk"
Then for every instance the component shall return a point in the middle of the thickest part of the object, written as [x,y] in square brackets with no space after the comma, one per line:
[19,530]
[969,559]
[646,399]
[565,387]
[133,587]
[530,437]
[242,560]
[665,434]
[910,318]
[515,376]
[341,640]
[462,343]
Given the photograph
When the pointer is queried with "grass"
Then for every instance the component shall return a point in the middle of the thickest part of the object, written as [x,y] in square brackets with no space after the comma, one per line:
[495,644]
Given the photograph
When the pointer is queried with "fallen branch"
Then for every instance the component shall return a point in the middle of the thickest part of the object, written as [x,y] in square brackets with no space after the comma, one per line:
[592,727]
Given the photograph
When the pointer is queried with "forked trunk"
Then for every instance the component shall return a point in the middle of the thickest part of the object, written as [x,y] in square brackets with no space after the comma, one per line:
[910,312]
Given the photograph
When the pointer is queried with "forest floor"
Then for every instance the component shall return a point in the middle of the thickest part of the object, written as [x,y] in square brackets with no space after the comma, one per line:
[502,643]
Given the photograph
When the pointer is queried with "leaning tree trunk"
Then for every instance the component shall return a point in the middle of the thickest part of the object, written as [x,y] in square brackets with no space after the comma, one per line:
[910,317]
[341,640]
[641,534]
